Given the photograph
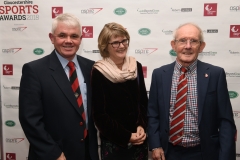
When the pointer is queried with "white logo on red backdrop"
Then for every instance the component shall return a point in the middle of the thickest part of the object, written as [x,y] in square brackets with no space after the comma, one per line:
[10,156]
[56,11]
[144,68]
[210,9]
[87,31]
[7,69]
[234,31]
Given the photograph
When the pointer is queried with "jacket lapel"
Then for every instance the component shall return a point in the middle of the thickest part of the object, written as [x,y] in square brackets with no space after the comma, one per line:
[203,76]
[84,66]
[61,79]
[167,83]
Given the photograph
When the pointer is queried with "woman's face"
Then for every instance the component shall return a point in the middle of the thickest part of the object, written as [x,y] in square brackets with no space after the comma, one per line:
[117,48]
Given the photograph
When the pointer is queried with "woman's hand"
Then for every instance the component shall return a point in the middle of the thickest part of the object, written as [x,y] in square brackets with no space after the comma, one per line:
[139,137]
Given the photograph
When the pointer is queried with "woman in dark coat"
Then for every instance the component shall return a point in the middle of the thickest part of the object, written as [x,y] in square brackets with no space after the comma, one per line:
[119,99]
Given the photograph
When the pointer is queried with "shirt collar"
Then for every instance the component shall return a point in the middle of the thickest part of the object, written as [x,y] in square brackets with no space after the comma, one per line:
[64,61]
[191,68]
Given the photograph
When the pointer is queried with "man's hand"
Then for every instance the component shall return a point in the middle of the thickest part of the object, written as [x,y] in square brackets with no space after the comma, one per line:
[158,154]
[62,157]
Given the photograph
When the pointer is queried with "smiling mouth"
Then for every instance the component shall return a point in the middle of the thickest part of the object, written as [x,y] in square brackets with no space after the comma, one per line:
[67,46]
[187,53]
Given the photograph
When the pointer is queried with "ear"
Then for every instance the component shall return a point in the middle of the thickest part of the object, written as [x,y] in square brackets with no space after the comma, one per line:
[202,46]
[80,39]
[51,37]
[173,44]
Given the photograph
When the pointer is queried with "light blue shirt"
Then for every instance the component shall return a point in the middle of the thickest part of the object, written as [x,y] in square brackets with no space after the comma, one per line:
[83,85]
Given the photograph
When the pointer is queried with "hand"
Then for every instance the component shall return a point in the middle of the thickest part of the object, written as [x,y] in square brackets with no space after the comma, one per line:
[62,157]
[139,137]
[158,154]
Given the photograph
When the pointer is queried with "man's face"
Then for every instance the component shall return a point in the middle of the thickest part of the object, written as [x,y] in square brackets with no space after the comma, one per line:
[187,44]
[66,40]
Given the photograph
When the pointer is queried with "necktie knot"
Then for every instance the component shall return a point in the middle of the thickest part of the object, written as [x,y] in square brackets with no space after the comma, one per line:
[71,65]
[184,70]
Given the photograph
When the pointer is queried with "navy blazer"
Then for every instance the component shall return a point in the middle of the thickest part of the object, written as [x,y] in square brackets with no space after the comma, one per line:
[215,117]
[48,111]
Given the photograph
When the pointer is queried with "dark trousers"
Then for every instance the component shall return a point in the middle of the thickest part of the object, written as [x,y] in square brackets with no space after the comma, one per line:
[183,153]
[87,154]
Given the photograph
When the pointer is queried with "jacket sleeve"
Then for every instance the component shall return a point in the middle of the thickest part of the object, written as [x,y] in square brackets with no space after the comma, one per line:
[154,139]
[31,116]
[227,128]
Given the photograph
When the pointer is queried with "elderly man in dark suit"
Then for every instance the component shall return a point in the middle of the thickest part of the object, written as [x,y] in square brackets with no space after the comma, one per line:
[55,99]
[189,110]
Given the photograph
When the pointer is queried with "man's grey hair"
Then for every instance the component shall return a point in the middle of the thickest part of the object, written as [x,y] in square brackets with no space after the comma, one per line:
[68,19]
[201,38]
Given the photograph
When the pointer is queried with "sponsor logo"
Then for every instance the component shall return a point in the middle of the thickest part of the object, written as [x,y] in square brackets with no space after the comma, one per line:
[144,31]
[10,156]
[91,51]
[14,140]
[11,50]
[235,8]
[236,114]
[12,87]
[210,53]
[10,123]
[210,9]
[148,11]
[233,94]
[38,51]
[233,52]
[7,69]
[20,29]
[120,11]
[210,31]
[56,11]
[87,31]
[186,9]
[181,9]
[11,106]
[167,32]
[172,53]
[13,10]
[234,31]
[144,68]
[232,74]
[91,10]
[146,51]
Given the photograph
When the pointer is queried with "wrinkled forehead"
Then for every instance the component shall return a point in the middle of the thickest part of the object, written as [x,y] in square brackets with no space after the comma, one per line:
[188,31]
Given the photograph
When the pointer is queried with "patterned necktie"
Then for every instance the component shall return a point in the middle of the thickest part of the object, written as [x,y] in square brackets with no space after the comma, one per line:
[176,127]
[77,93]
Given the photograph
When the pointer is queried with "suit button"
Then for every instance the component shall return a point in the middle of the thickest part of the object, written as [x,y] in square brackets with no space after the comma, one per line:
[82,140]
[81,123]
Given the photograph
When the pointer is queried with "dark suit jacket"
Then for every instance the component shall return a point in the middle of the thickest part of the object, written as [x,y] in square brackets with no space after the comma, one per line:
[215,117]
[119,108]
[48,111]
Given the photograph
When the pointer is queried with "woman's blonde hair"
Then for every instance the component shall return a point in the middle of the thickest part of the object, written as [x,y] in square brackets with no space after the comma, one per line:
[109,30]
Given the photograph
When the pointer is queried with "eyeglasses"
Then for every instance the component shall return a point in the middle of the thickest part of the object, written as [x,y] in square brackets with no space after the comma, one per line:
[117,44]
[65,36]
[183,42]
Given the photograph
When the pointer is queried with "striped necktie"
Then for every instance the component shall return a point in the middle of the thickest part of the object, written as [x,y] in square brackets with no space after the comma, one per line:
[77,93]
[177,121]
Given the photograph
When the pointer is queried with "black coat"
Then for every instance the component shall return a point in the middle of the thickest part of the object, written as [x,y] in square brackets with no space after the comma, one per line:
[118,108]
[48,111]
